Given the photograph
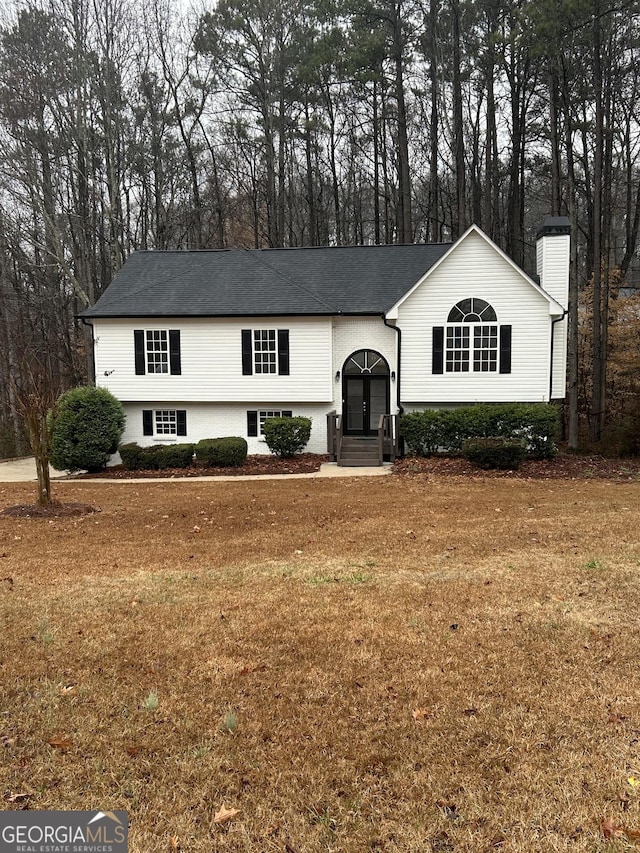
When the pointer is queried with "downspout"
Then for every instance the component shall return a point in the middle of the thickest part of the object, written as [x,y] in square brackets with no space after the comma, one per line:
[553,329]
[398,332]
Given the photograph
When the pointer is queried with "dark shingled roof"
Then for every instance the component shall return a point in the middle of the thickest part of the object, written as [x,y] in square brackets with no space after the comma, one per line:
[240,282]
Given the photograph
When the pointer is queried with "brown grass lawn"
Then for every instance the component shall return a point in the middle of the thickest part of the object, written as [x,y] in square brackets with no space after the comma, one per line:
[381,664]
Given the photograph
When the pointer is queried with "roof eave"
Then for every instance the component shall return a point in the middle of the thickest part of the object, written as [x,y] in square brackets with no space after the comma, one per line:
[222,316]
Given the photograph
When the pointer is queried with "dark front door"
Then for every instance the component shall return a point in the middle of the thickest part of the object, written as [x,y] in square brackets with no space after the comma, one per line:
[365,400]
[365,392]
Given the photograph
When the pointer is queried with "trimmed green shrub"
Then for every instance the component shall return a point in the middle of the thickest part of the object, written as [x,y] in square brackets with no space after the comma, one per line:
[503,453]
[132,456]
[88,425]
[445,430]
[175,455]
[423,432]
[156,457]
[228,452]
[287,436]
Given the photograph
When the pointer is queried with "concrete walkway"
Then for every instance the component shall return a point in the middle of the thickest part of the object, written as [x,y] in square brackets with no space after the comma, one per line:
[24,471]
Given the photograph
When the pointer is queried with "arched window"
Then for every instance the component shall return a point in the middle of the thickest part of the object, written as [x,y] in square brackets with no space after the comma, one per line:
[366,361]
[471,338]
[472,341]
[472,311]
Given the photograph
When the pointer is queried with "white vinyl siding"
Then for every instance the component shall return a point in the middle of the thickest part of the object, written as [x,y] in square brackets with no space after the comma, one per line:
[476,269]
[211,361]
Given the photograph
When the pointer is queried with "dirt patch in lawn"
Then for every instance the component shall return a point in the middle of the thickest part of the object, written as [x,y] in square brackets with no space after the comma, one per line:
[395,664]
[53,510]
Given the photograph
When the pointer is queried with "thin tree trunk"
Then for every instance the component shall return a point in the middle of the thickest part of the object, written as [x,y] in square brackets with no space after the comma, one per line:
[433,224]
[405,227]
[458,129]
[376,166]
[573,430]
[491,154]
[597,344]
[554,144]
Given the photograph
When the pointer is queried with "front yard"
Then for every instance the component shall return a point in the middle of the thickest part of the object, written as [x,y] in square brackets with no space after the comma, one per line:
[410,663]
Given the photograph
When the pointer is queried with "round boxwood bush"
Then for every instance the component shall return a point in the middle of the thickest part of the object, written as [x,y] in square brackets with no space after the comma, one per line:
[287,436]
[176,456]
[227,452]
[88,425]
[132,456]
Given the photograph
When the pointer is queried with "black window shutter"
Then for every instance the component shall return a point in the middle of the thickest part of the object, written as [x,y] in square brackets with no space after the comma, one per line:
[181,422]
[247,353]
[437,355]
[252,424]
[147,422]
[287,413]
[175,363]
[138,346]
[505,349]
[283,352]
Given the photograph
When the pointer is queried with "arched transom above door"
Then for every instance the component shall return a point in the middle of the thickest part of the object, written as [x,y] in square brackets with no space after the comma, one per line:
[365,392]
[366,362]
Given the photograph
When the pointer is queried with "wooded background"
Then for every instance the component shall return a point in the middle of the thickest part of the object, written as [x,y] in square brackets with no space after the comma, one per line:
[259,123]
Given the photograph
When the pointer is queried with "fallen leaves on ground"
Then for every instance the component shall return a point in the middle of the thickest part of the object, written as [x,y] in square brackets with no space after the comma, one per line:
[420,714]
[61,742]
[223,815]
[610,830]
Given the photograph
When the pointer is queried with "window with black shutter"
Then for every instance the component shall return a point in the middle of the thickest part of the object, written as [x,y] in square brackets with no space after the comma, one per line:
[256,419]
[157,351]
[164,422]
[472,341]
[265,351]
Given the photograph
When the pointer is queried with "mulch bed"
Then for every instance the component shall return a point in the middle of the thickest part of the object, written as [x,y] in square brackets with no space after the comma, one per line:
[565,466]
[304,463]
[54,510]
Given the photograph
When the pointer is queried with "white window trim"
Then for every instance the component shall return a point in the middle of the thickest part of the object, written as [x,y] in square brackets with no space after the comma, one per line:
[259,338]
[172,421]
[471,348]
[163,339]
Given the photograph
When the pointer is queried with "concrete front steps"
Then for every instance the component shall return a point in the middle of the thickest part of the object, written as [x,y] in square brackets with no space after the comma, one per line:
[359,452]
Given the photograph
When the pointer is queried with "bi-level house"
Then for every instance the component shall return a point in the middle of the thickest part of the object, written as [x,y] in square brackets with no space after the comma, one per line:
[199,344]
